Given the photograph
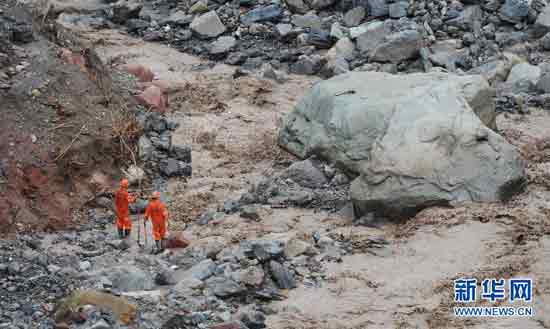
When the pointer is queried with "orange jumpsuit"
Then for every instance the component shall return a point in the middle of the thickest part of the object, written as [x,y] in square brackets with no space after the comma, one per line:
[158,214]
[122,200]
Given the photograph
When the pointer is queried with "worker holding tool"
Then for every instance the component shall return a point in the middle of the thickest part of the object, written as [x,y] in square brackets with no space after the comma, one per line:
[157,212]
[122,201]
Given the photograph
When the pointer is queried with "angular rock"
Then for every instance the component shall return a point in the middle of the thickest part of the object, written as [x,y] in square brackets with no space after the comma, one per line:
[514,11]
[307,21]
[321,4]
[542,24]
[250,212]
[545,42]
[306,174]
[179,17]
[467,19]
[398,9]
[262,250]
[307,65]
[336,31]
[320,39]
[199,7]
[378,8]
[129,278]
[523,78]
[251,276]
[297,6]
[208,25]
[344,48]
[223,45]
[224,287]
[281,275]
[354,16]
[125,10]
[174,168]
[432,146]
[295,247]
[181,153]
[398,47]
[262,14]
[145,148]
[202,270]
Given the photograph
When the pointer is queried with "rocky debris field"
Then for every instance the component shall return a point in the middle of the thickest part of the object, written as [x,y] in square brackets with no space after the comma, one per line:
[295,201]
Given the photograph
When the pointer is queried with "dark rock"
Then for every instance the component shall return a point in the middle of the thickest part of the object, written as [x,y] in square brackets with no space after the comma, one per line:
[320,39]
[250,212]
[307,65]
[253,320]
[297,6]
[321,4]
[354,16]
[172,168]
[263,250]
[231,206]
[152,36]
[398,9]
[545,42]
[262,14]
[378,8]
[514,11]
[223,45]
[306,174]
[236,58]
[136,25]
[224,287]
[181,153]
[282,276]
[125,10]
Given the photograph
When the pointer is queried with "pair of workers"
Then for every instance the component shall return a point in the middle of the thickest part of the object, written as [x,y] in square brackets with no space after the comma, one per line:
[156,211]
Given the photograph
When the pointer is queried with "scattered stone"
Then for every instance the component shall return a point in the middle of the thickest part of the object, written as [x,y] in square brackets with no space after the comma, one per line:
[224,287]
[306,174]
[262,14]
[208,25]
[199,7]
[282,276]
[398,9]
[129,278]
[125,10]
[223,45]
[250,212]
[523,78]
[514,11]
[378,8]
[174,168]
[297,6]
[354,16]
[295,247]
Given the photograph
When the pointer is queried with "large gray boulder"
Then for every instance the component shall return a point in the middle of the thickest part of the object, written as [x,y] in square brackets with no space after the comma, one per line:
[413,141]
[208,25]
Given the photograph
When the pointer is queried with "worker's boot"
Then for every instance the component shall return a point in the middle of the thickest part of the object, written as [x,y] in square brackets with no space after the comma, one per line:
[158,247]
[120,233]
[162,244]
[126,233]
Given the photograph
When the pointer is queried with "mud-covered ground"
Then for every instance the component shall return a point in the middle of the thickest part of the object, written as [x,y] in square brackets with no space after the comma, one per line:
[394,276]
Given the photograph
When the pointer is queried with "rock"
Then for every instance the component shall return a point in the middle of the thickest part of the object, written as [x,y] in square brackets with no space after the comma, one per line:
[270,73]
[545,42]
[321,4]
[295,247]
[445,53]
[165,278]
[202,270]
[251,276]
[136,25]
[523,78]
[223,45]
[344,48]
[125,10]
[514,11]
[306,174]
[479,165]
[129,278]
[178,17]
[186,286]
[153,98]
[262,14]
[357,31]
[231,206]
[174,168]
[398,9]
[307,21]
[119,244]
[307,65]
[142,73]
[468,19]
[497,70]
[253,319]
[354,16]
[250,212]
[336,31]
[283,30]
[297,6]
[199,7]
[208,25]
[134,174]
[85,265]
[282,276]
[542,24]
[398,47]
[181,153]
[262,250]
[101,324]
[320,39]
[224,287]
[378,8]
[509,39]
[228,325]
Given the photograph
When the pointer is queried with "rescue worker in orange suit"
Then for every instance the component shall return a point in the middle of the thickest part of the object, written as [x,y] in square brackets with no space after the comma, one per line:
[157,212]
[122,201]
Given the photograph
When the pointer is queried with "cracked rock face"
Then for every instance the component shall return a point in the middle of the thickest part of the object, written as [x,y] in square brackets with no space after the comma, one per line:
[413,141]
